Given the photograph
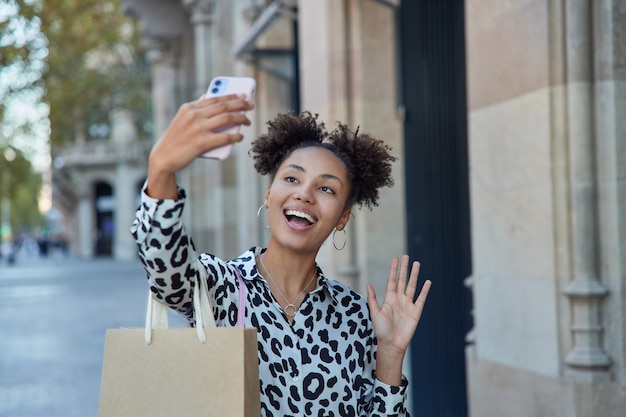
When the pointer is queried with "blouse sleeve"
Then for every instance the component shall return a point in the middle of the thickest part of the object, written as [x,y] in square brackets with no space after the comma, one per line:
[389,400]
[166,252]
[383,400]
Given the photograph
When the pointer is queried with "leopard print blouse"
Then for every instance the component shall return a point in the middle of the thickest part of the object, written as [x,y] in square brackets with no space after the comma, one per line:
[320,364]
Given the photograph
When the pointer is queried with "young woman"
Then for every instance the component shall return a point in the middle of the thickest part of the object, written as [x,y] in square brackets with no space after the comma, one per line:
[323,348]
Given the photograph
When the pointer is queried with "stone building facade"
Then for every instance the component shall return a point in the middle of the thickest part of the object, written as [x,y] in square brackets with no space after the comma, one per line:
[546,141]
[95,188]
[547,99]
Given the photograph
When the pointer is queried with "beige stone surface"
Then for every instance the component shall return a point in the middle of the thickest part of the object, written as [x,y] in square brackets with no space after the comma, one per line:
[516,322]
[497,390]
[315,57]
[507,49]
[510,182]
[373,52]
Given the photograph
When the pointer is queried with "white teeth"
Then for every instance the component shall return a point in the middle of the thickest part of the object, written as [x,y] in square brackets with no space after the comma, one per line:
[300,214]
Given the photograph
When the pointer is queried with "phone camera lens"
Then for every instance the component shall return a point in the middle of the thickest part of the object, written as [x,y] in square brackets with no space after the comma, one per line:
[215,90]
[218,82]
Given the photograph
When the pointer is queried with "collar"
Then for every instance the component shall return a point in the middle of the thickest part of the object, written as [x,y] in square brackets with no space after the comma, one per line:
[246,261]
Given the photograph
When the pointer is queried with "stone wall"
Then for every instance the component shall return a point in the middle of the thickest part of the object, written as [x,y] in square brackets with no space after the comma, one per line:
[547,152]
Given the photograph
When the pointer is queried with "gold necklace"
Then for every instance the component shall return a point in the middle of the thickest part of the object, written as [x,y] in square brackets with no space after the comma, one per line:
[290,309]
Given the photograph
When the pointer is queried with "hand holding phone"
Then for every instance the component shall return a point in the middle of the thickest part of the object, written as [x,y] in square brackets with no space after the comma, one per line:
[225,85]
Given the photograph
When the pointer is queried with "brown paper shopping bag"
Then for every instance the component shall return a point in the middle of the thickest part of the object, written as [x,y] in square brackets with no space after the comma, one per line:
[194,372]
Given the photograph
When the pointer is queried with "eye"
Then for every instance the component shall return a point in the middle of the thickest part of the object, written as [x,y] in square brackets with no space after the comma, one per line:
[327,189]
[290,179]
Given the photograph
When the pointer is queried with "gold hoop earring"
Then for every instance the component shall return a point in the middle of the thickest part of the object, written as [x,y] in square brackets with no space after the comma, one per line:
[258,218]
[345,239]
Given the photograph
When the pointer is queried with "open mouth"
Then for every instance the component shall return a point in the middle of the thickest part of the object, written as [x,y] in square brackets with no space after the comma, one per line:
[300,218]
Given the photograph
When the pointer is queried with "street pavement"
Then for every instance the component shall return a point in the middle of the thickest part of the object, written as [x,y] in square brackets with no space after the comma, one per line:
[54,313]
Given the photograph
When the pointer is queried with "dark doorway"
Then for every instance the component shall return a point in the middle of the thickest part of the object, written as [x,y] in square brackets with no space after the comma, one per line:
[432,50]
[104,219]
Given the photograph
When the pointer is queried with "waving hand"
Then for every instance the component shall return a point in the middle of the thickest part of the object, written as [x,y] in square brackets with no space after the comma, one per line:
[396,319]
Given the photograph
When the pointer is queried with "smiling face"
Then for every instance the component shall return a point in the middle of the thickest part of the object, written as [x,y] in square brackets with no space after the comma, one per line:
[307,199]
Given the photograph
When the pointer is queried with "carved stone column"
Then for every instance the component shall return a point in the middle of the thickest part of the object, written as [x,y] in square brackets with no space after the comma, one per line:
[125,205]
[164,26]
[86,221]
[203,180]
[588,358]
[164,56]
[201,13]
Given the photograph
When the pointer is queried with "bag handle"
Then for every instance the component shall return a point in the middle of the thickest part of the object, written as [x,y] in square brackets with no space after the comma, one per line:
[241,306]
[201,305]
[156,317]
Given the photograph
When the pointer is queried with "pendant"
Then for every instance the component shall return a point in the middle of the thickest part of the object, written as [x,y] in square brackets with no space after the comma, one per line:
[290,310]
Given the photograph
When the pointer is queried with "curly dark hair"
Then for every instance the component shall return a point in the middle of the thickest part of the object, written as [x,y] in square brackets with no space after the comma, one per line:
[367,159]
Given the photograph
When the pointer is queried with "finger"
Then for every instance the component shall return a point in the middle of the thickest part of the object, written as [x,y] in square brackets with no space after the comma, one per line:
[225,119]
[402,278]
[220,139]
[212,137]
[205,100]
[421,299]
[220,104]
[372,301]
[240,101]
[392,278]
[411,288]
[209,109]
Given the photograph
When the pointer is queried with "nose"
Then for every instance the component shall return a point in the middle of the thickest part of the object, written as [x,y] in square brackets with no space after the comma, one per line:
[305,193]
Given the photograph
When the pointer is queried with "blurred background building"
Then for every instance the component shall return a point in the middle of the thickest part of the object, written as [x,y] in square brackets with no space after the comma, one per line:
[507,118]
[96,185]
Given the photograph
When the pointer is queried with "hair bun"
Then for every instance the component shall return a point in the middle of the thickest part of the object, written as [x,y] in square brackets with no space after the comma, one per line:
[367,159]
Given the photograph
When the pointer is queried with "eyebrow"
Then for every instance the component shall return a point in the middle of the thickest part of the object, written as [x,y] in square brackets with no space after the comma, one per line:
[325,176]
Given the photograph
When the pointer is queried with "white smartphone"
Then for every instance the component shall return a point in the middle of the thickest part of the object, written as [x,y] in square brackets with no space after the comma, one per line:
[225,85]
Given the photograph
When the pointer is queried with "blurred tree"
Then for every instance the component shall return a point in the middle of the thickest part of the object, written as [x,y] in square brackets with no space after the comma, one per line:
[94,65]
[22,48]
[22,54]
[22,51]
[21,185]
[76,59]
